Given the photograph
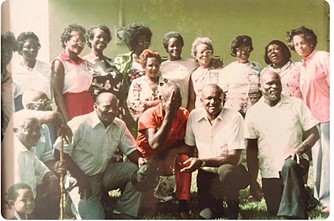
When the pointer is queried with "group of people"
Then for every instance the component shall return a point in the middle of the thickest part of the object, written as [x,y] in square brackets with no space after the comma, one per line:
[114,116]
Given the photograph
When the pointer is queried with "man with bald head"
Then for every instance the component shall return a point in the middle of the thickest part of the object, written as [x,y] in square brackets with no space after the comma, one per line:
[161,132]
[95,138]
[216,132]
[279,131]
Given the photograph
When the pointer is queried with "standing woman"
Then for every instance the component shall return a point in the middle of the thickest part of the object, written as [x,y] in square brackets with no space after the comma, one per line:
[106,77]
[145,91]
[315,89]
[137,37]
[70,75]
[8,46]
[278,57]
[240,79]
[176,68]
[206,73]
[30,73]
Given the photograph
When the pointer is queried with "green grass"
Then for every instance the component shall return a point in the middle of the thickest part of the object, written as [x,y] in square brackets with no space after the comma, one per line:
[249,209]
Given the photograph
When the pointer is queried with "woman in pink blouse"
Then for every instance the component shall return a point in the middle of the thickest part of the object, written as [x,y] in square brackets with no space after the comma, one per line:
[70,75]
[315,88]
[278,57]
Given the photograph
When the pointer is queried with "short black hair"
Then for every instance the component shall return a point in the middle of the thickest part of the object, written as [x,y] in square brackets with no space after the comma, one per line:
[66,34]
[285,50]
[239,40]
[308,34]
[9,39]
[172,34]
[23,37]
[13,191]
[90,33]
[131,33]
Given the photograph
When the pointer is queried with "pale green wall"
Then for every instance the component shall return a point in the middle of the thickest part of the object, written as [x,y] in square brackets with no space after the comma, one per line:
[220,20]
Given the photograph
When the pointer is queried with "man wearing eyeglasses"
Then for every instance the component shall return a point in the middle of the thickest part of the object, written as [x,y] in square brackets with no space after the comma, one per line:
[37,104]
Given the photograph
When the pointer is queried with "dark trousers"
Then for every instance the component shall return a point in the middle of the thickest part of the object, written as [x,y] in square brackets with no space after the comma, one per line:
[47,206]
[213,188]
[285,196]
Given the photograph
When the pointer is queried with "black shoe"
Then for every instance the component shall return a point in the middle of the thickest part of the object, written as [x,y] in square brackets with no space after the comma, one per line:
[232,209]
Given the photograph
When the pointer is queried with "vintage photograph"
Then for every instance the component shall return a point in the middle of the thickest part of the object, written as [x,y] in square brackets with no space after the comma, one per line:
[165,109]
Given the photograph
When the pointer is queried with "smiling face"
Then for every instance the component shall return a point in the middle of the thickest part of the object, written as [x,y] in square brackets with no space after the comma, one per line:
[106,107]
[30,50]
[28,132]
[271,87]
[203,55]
[174,49]
[243,53]
[152,67]
[76,43]
[100,40]
[303,47]
[212,97]
[24,203]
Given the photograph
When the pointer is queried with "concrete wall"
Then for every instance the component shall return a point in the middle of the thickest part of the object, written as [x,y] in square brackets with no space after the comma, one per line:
[220,20]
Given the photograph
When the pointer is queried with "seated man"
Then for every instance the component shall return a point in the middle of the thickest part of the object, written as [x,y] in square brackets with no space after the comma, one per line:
[217,133]
[161,132]
[275,128]
[21,164]
[36,103]
[96,136]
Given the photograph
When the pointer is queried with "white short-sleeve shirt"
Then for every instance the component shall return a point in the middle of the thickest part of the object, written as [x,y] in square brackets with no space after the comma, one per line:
[215,140]
[279,130]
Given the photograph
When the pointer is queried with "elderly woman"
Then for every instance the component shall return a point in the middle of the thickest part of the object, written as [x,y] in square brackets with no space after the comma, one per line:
[206,73]
[30,73]
[176,68]
[137,37]
[71,78]
[8,46]
[277,55]
[239,80]
[106,77]
[145,91]
[315,89]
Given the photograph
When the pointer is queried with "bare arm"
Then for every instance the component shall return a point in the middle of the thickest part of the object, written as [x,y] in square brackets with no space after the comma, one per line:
[82,178]
[310,136]
[58,75]
[191,96]
[232,157]
[253,168]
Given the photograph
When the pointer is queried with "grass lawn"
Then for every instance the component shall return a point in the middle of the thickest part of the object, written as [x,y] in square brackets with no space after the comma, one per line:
[249,209]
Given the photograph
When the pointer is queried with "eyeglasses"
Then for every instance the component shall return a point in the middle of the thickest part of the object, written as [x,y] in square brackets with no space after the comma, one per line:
[43,102]
[244,49]
[206,52]
[78,41]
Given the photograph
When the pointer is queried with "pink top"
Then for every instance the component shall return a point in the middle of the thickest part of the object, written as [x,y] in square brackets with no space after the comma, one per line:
[77,77]
[314,84]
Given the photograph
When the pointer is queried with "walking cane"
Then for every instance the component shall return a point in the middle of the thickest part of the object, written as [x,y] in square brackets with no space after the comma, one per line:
[61,182]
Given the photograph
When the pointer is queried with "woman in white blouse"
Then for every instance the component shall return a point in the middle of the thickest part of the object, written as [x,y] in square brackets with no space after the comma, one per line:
[30,73]
[145,91]
[176,68]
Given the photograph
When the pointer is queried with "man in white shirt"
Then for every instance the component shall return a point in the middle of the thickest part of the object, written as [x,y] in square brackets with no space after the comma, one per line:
[20,163]
[279,130]
[96,136]
[216,132]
